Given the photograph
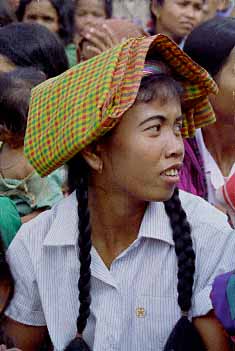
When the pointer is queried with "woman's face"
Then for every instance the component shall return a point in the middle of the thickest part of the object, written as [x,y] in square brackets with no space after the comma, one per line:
[224,102]
[144,153]
[177,18]
[87,12]
[6,65]
[42,12]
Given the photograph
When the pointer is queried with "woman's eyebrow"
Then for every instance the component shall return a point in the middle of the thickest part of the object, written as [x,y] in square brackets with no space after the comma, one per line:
[159,117]
[152,118]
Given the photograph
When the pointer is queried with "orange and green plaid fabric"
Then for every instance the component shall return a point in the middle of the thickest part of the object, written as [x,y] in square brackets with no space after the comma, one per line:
[74,109]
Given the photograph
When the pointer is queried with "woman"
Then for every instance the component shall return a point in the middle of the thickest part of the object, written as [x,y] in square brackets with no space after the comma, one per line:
[176,18]
[88,10]
[55,15]
[117,120]
[89,16]
[212,46]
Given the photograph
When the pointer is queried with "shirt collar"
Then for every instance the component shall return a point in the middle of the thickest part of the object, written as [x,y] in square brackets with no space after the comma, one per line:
[156,224]
[64,228]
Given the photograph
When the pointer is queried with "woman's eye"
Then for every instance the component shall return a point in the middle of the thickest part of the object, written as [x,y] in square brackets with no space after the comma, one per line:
[178,127]
[155,128]
[32,17]
[48,19]
[182,4]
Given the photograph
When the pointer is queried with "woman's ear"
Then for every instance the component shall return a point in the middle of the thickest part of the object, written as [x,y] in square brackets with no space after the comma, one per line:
[92,155]
[155,8]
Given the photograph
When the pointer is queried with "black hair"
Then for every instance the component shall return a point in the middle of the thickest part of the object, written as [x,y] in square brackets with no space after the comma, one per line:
[108,8]
[158,86]
[211,43]
[80,182]
[32,45]
[184,336]
[15,89]
[7,14]
[65,11]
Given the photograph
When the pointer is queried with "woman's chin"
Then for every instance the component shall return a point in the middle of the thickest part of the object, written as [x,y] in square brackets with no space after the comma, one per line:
[163,195]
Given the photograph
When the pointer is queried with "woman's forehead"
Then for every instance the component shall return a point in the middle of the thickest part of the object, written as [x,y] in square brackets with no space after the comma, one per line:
[170,110]
[91,3]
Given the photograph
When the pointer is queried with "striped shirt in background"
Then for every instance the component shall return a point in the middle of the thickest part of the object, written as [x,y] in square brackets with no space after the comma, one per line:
[134,304]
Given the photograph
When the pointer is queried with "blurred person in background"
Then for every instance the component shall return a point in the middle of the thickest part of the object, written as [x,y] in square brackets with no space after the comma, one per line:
[210,9]
[30,193]
[45,53]
[222,8]
[176,18]
[56,15]
[88,13]
[31,45]
[212,45]
[7,14]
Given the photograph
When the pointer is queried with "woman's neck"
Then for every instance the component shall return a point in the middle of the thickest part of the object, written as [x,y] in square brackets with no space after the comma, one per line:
[115,222]
[219,139]
[160,29]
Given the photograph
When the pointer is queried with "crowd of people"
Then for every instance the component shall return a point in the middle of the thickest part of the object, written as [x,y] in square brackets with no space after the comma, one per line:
[117,175]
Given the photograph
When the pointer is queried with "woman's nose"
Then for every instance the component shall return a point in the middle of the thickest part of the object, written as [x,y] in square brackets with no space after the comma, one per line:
[175,146]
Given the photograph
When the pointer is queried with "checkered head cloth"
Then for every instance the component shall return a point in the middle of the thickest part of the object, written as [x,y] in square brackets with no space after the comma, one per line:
[72,110]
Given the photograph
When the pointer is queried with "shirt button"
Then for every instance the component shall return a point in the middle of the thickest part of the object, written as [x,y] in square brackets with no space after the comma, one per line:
[140,312]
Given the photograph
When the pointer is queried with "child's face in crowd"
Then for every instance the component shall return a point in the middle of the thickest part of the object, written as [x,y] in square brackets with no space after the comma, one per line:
[44,13]
[6,65]
[87,11]
[177,18]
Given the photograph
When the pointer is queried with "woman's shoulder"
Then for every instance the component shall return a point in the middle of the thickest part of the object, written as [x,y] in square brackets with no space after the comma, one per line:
[201,211]
[35,233]
[207,222]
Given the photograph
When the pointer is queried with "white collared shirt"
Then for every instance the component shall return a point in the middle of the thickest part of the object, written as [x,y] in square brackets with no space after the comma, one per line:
[214,176]
[134,304]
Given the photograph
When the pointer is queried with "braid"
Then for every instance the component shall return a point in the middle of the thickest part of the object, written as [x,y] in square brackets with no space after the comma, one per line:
[84,244]
[184,250]
[184,336]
